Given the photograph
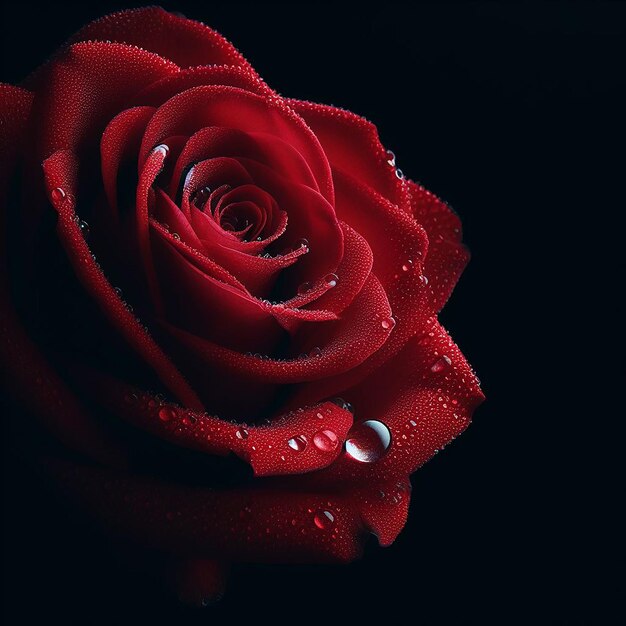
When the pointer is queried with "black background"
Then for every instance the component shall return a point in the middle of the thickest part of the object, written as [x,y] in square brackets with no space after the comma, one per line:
[512,113]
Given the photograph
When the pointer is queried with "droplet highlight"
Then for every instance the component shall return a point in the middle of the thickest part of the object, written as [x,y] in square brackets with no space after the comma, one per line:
[324,519]
[325,440]
[441,364]
[298,443]
[368,441]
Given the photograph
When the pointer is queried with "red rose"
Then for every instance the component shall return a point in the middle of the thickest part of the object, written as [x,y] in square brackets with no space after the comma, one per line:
[193,258]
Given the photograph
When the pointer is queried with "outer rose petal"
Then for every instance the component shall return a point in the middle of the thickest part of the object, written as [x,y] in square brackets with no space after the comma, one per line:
[60,170]
[353,147]
[186,42]
[447,256]
[82,90]
[425,396]
[24,368]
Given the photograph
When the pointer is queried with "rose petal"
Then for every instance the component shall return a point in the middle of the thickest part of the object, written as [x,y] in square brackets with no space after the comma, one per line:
[287,445]
[353,147]
[343,344]
[120,139]
[60,171]
[199,107]
[85,87]
[186,42]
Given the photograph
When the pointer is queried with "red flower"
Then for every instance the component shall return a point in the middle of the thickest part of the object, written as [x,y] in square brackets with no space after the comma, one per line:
[193,257]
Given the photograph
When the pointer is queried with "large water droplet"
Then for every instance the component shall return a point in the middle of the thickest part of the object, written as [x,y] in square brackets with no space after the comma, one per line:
[298,443]
[57,195]
[323,519]
[325,440]
[166,414]
[441,364]
[391,158]
[367,442]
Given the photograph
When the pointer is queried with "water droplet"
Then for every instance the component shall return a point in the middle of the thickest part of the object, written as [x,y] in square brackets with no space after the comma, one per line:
[343,404]
[388,323]
[440,364]
[57,195]
[84,228]
[407,266]
[166,414]
[323,519]
[399,174]
[424,279]
[304,287]
[176,236]
[302,243]
[242,433]
[162,148]
[319,416]
[391,158]
[325,440]
[298,443]
[331,280]
[315,352]
[367,442]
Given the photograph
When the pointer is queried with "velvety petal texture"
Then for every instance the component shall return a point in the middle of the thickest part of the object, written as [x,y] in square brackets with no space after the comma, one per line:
[221,302]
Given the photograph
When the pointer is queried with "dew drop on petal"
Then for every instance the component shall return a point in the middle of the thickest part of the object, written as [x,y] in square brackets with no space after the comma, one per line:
[84,228]
[343,404]
[302,243]
[164,149]
[368,441]
[399,174]
[57,194]
[407,266]
[440,364]
[298,443]
[331,280]
[315,352]
[242,433]
[388,323]
[391,158]
[325,440]
[323,519]
[166,414]
[424,279]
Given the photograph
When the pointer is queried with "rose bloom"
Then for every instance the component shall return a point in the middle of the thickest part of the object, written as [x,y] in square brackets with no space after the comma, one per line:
[220,303]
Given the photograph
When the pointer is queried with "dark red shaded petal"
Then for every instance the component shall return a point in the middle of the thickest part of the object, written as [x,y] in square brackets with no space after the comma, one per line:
[25,371]
[199,107]
[288,445]
[186,42]
[85,87]
[425,396]
[310,217]
[60,171]
[352,145]
[447,256]
[233,76]
[120,140]
[354,268]
[267,149]
[343,344]
[209,308]
[264,525]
